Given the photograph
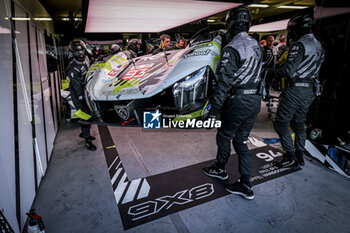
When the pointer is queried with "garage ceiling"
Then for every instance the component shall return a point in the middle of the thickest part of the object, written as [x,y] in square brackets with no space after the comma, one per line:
[273,9]
[61,10]
[120,16]
[269,12]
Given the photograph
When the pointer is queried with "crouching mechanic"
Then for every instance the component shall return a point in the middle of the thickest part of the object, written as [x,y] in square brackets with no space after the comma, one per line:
[76,72]
[239,78]
[301,69]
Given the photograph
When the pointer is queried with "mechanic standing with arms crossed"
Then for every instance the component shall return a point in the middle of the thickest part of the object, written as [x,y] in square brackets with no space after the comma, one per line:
[239,76]
[76,72]
[301,69]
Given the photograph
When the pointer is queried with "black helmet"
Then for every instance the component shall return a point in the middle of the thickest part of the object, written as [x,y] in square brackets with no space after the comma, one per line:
[115,47]
[300,25]
[78,47]
[132,45]
[238,17]
[96,52]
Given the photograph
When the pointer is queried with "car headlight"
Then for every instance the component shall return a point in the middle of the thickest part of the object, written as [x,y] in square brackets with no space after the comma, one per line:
[192,88]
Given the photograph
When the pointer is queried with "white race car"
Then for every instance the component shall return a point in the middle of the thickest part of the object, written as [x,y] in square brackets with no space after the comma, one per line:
[119,88]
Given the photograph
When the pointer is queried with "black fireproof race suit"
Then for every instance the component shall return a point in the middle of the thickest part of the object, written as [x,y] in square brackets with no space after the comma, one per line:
[76,72]
[302,67]
[239,76]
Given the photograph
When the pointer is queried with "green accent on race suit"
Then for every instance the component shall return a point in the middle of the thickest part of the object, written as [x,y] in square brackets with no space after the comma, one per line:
[72,114]
[293,137]
[192,115]
[129,83]
[206,104]
[65,84]
[82,115]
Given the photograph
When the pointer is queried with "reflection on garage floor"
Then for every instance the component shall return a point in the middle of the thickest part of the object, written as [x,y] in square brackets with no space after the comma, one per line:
[77,196]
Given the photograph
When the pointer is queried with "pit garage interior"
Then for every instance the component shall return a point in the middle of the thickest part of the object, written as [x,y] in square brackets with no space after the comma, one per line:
[151,180]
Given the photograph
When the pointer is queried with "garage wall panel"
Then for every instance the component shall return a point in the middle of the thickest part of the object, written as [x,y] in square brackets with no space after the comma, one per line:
[53,100]
[58,95]
[18,168]
[49,120]
[39,119]
[7,158]
[58,80]
[26,161]
[50,130]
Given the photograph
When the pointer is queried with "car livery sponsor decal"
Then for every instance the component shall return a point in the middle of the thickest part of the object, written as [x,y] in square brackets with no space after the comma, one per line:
[125,84]
[137,72]
[198,53]
[113,73]
[128,91]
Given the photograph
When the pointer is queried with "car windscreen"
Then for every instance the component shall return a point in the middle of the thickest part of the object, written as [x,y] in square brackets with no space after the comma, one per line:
[201,38]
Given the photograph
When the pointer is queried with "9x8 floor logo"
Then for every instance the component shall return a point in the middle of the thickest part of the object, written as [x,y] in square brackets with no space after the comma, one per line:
[166,202]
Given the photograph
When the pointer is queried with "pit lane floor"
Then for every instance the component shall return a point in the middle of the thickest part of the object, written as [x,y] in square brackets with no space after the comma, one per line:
[76,194]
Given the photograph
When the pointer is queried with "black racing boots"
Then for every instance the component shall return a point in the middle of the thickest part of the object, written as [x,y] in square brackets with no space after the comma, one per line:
[300,157]
[216,172]
[287,163]
[241,189]
[89,144]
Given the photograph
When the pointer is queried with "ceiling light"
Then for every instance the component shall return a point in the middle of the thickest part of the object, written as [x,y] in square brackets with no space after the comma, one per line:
[43,19]
[120,16]
[292,7]
[258,5]
[210,20]
[65,19]
[18,18]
